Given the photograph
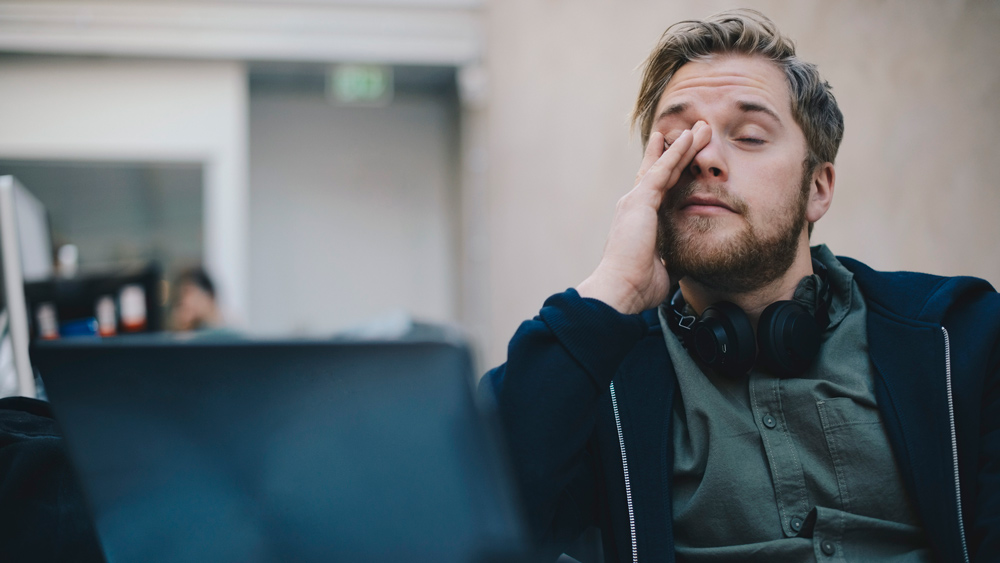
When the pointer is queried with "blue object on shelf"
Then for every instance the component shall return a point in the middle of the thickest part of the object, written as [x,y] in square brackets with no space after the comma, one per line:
[78,327]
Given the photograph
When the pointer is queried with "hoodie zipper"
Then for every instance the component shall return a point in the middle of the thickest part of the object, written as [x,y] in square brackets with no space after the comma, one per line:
[954,440]
[628,487]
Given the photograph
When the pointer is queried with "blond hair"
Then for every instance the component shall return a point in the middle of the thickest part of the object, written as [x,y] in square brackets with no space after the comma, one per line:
[745,32]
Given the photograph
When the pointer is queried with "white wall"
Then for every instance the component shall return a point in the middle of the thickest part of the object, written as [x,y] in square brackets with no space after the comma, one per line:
[353,211]
[142,110]
[415,32]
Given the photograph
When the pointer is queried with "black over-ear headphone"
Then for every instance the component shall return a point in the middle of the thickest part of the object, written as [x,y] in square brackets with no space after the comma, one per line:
[786,343]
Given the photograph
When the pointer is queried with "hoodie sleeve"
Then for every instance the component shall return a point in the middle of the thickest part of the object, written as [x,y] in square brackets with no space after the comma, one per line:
[985,535]
[972,320]
[558,366]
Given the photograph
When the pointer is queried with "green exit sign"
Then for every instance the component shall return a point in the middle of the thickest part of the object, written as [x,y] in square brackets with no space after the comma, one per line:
[366,85]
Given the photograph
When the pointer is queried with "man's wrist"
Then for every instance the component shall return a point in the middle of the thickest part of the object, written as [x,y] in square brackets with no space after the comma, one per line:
[616,295]
[592,332]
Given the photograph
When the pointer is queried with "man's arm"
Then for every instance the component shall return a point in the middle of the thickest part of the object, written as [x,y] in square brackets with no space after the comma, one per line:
[985,538]
[560,363]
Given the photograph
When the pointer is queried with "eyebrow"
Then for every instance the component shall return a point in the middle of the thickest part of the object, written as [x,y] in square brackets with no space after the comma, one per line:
[673,109]
[751,107]
[744,106]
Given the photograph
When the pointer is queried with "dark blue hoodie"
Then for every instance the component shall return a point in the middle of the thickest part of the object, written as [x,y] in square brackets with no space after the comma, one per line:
[587,392]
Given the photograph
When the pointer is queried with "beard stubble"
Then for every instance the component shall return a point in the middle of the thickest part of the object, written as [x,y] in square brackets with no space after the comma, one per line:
[744,262]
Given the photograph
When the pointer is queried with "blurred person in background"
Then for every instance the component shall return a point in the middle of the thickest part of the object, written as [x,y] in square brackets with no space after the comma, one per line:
[195,306]
[717,390]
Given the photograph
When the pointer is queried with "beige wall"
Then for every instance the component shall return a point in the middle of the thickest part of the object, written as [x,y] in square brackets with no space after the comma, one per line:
[916,80]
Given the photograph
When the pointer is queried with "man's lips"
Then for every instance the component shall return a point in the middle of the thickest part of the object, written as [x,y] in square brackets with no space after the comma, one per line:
[705,204]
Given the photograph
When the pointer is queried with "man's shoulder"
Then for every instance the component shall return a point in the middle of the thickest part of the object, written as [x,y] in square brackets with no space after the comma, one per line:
[919,296]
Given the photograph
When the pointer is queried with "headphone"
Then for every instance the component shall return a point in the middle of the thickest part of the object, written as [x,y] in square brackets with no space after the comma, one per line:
[786,343]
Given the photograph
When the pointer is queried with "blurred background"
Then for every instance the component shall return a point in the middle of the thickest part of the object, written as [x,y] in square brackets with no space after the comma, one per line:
[338,165]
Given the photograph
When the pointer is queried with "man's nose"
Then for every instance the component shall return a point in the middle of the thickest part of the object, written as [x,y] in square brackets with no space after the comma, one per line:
[709,163]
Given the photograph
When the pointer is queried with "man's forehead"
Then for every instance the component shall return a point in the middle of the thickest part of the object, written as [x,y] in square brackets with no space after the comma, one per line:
[728,76]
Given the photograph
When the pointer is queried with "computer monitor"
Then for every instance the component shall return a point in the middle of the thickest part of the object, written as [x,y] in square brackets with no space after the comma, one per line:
[25,253]
[34,235]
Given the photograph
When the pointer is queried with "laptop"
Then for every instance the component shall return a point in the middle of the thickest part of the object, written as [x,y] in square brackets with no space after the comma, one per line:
[282,451]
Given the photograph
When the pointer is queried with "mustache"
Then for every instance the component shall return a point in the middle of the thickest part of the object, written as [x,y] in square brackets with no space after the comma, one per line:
[676,196]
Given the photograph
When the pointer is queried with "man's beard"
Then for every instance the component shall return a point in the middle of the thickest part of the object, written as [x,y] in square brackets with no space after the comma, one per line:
[745,262]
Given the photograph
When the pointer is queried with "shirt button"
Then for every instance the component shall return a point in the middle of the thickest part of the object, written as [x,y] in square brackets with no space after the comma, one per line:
[769,421]
[828,547]
[796,523]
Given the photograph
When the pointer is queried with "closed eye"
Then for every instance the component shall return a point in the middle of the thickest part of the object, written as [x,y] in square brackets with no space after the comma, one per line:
[751,140]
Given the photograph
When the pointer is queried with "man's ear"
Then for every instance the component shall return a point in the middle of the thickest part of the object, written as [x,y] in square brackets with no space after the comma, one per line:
[820,191]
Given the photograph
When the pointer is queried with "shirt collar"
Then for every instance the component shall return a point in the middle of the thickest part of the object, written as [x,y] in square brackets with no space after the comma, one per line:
[840,279]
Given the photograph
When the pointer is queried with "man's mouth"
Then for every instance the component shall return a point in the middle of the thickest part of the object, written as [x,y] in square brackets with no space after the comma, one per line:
[704,204]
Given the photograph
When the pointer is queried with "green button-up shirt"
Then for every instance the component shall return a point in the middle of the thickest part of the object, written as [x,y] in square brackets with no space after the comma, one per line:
[797,469]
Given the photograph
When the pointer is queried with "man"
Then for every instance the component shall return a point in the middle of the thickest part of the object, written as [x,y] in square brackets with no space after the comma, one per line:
[195,307]
[777,403]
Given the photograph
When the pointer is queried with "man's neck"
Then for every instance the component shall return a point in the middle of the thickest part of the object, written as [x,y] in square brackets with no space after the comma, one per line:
[700,297]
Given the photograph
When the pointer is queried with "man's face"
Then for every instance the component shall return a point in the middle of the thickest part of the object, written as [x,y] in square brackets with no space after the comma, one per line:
[737,216]
[193,308]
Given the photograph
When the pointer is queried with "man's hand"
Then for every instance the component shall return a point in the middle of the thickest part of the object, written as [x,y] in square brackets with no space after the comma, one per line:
[631,277]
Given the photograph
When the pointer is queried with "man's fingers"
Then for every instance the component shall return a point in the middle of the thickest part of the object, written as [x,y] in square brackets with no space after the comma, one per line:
[654,148]
[652,184]
[676,157]
[701,134]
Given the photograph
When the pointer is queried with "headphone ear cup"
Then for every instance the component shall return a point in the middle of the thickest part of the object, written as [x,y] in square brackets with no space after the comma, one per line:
[788,338]
[724,340]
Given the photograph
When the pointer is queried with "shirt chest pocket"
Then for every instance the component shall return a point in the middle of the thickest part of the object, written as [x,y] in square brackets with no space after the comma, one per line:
[868,480]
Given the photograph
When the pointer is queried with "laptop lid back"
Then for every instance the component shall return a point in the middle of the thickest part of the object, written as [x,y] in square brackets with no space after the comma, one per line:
[281,451]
